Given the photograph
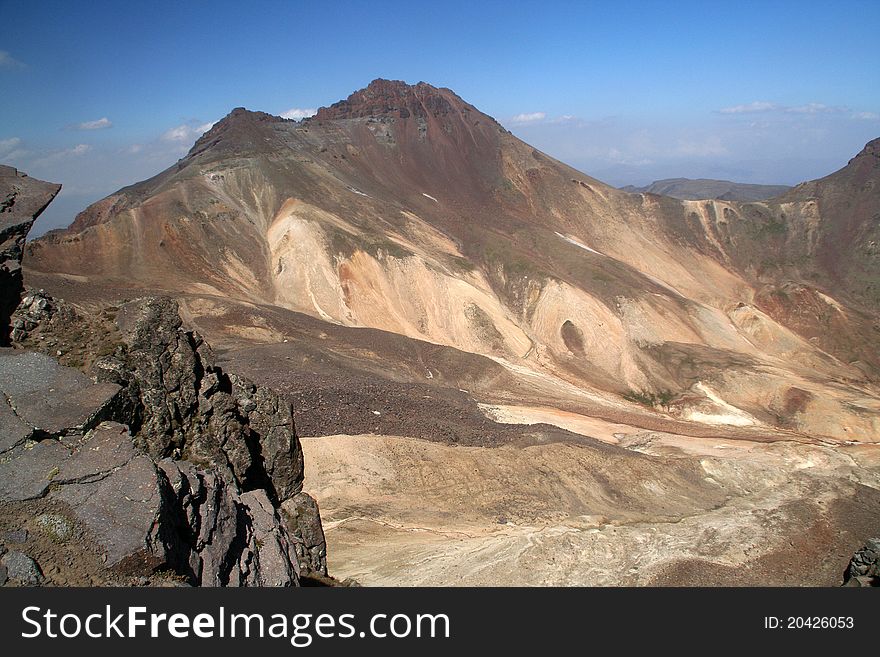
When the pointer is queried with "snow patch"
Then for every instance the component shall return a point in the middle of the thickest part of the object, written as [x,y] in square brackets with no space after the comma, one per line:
[430,197]
[728,414]
[571,240]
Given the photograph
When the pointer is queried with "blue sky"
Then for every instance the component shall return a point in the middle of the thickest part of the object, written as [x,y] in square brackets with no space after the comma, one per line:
[98,95]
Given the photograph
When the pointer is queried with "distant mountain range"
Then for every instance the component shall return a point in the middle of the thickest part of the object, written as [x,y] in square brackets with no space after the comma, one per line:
[689,189]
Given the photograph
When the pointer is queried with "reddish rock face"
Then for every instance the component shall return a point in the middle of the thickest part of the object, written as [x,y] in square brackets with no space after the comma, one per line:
[397,99]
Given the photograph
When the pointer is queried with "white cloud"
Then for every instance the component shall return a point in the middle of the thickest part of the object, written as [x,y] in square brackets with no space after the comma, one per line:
[813,108]
[10,149]
[866,116]
[757,106]
[298,113]
[186,133]
[529,117]
[618,157]
[97,124]
[54,157]
[9,145]
[764,106]
[180,133]
[8,61]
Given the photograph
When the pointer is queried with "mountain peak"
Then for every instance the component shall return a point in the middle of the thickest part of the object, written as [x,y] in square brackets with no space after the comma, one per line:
[240,127]
[244,116]
[395,98]
[871,148]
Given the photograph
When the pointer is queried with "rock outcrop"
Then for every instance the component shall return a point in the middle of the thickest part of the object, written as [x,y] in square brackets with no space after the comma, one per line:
[864,567]
[144,516]
[207,485]
[181,404]
[22,199]
[159,462]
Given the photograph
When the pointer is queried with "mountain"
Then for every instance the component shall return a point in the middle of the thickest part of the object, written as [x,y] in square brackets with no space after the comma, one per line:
[402,265]
[702,188]
[405,209]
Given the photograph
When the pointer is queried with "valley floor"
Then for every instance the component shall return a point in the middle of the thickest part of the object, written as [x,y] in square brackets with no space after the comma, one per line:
[403,511]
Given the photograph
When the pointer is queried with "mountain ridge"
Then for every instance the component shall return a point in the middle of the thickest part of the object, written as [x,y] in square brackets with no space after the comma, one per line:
[695,189]
[401,209]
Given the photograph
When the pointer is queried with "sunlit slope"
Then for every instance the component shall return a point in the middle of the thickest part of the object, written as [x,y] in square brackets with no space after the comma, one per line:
[405,209]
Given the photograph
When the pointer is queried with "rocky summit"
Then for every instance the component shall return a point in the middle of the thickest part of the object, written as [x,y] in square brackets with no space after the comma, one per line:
[501,370]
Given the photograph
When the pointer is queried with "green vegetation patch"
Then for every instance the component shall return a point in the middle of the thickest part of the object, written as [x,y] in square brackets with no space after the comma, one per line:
[651,399]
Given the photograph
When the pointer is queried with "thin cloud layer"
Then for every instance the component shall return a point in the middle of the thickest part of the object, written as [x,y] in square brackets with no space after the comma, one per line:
[8,61]
[58,156]
[749,108]
[98,124]
[762,106]
[10,149]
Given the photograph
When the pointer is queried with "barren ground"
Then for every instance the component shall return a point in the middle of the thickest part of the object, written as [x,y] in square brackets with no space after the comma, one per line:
[402,511]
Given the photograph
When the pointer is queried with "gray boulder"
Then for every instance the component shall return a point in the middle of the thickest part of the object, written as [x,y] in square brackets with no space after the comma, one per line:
[22,568]
[50,399]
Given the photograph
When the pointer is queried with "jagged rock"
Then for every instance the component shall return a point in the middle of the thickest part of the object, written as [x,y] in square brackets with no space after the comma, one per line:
[196,487]
[143,517]
[304,521]
[52,399]
[34,308]
[864,567]
[21,567]
[183,404]
[273,554]
[207,535]
[219,537]
[22,199]
[214,520]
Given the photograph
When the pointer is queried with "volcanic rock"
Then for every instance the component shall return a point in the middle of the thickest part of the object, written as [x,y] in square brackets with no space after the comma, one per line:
[21,567]
[864,568]
[22,199]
